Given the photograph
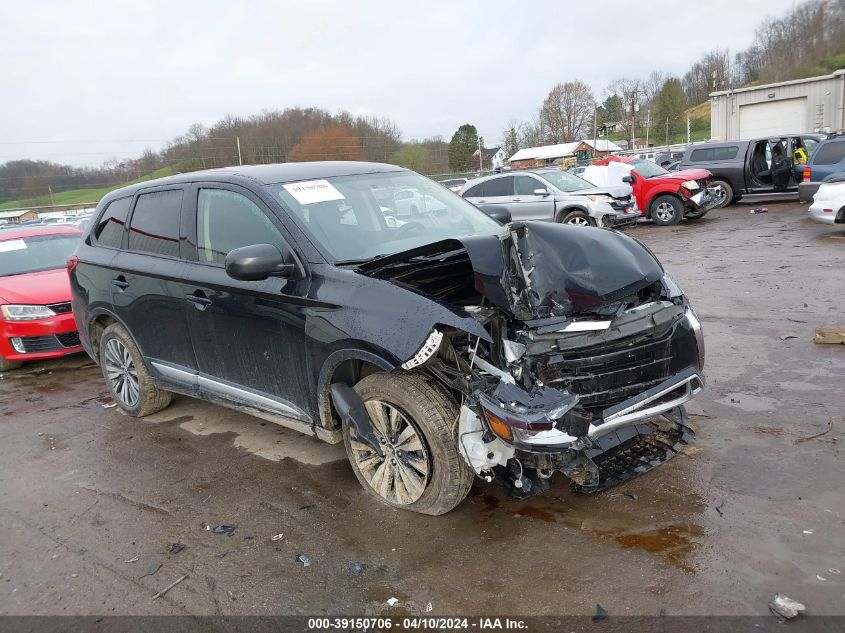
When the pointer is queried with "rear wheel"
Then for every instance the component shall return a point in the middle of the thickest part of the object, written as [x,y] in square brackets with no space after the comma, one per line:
[666,210]
[576,217]
[9,365]
[723,192]
[416,424]
[127,378]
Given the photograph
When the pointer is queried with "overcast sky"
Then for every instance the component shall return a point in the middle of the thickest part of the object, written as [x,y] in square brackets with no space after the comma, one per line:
[86,81]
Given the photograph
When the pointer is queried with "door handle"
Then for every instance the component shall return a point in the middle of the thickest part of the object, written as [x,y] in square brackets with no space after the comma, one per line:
[200,301]
[120,282]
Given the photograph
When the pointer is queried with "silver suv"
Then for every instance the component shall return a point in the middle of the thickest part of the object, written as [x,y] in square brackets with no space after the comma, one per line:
[555,196]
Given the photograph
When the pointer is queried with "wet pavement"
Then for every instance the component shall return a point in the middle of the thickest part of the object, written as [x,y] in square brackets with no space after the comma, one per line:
[91,501]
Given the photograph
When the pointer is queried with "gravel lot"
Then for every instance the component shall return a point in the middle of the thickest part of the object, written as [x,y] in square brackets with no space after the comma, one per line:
[754,508]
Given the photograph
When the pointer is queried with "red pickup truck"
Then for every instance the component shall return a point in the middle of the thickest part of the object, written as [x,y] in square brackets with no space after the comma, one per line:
[664,196]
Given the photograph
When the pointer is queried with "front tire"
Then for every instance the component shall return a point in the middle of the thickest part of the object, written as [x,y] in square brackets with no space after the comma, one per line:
[576,217]
[416,423]
[724,194]
[131,385]
[666,210]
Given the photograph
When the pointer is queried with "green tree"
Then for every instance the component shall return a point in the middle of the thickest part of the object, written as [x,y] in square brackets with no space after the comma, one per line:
[412,156]
[464,142]
[670,104]
[510,141]
[612,110]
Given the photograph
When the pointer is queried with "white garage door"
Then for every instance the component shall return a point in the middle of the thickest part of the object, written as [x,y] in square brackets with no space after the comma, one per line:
[773,117]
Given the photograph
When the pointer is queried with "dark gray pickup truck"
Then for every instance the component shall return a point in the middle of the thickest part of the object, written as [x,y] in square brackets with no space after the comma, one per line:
[756,166]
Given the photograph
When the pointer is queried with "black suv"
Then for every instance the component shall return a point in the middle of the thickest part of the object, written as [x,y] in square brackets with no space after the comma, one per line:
[436,345]
[758,166]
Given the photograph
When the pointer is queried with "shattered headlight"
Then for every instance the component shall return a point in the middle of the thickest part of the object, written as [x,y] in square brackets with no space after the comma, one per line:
[599,198]
[25,312]
[692,185]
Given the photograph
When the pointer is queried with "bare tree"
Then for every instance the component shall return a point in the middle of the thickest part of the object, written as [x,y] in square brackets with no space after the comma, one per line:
[631,91]
[711,72]
[567,112]
[652,85]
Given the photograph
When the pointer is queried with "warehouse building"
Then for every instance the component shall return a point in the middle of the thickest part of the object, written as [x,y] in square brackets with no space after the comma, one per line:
[815,104]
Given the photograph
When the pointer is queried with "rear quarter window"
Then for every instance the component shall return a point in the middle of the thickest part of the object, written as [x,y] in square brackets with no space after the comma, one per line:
[714,153]
[154,227]
[109,230]
[829,153]
[476,191]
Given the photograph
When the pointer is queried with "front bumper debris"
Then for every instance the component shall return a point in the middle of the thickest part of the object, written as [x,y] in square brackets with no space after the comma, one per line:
[704,200]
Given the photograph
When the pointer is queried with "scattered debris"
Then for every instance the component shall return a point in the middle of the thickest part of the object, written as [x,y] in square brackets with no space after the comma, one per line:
[224,529]
[718,509]
[175,548]
[358,569]
[302,558]
[834,336]
[786,337]
[795,320]
[134,559]
[392,601]
[152,570]
[834,571]
[822,578]
[230,594]
[808,531]
[785,608]
[428,608]
[224,554]
[205,526]
[308,506]
[601,613]
[759,210]
[277,537]
[169,587]
[631,494]
[812,437]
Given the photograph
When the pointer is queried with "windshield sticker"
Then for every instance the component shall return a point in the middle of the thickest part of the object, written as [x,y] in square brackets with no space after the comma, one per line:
[311,191]
[12,245]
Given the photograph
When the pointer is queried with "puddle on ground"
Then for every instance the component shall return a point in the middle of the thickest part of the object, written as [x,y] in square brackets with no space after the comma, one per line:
[610,516]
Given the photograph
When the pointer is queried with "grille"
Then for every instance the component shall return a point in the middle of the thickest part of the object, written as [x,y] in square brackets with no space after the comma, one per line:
[60,308]
[50,342]
[608,374]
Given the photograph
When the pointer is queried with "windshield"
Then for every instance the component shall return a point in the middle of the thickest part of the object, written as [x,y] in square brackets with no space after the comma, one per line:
[647,169]
[565,181]
[356,218]
[33,254]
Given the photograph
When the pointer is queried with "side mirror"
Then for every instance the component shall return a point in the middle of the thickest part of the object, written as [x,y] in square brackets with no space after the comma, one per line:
[629,179]
[541,192]
[257,262]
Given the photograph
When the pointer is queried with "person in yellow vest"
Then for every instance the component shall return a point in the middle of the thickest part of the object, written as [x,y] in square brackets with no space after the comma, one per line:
[799,155]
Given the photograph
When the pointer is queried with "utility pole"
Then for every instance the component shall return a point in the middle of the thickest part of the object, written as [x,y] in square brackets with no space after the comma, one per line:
[688,130]
[667,133]
[634,108]
[238,140]
[595,132]
[480,156]
[647,126]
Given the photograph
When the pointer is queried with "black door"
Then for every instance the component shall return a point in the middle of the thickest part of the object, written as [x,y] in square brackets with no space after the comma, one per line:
[248,336]
[147,292]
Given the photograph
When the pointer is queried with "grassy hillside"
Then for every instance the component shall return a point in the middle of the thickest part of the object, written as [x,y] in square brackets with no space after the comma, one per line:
[80,196]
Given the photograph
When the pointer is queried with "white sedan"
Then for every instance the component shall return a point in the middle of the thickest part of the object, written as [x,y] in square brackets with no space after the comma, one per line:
[829,203]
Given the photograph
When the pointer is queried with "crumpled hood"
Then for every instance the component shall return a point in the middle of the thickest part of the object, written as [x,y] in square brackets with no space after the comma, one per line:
[537,270]
[614,191]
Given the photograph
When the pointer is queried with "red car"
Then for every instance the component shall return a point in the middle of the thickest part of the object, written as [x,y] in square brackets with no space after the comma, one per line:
[36,321]
[666,197]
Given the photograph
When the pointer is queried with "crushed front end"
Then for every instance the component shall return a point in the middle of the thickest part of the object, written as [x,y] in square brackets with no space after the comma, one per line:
[592,353]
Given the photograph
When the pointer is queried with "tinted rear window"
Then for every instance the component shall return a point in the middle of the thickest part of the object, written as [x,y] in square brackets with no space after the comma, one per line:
[714,153]
[109,231]
[499,187]
[829,153]
[155,223]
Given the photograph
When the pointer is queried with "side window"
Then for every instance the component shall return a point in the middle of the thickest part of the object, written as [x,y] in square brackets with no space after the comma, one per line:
[499,187]
[475,192]
[109,230]
[227,220]
[830,153]
[525,185]
[154,227]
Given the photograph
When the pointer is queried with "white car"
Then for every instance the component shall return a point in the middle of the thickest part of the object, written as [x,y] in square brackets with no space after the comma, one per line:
[412,202]
[829,203]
